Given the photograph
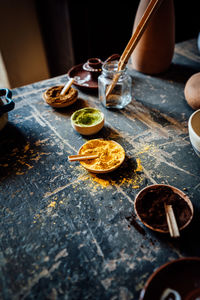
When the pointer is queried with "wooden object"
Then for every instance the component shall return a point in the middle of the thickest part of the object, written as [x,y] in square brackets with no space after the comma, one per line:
[155,49]
[67,230]
[81,157]
[67,86]
[171,221]
[53,96]
[149,12]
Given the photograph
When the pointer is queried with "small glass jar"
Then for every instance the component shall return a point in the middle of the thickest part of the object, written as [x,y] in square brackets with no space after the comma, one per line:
[121,94]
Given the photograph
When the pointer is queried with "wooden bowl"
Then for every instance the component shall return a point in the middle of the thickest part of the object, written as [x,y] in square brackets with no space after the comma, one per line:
[95,165]
[147,196]
[88,129]
[181,276]
[53,98]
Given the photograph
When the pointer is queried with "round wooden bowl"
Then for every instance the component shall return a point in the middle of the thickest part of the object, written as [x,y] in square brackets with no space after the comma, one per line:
[180,276]
[93,151]
[155,187]
[52,97]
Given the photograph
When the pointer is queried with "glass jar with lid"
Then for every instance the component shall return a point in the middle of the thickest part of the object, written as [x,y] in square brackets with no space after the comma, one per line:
[121,94]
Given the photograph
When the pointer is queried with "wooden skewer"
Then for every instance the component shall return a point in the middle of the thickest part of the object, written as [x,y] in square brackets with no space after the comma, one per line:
[149,12]
[171,221]
[67,86]
[82,157]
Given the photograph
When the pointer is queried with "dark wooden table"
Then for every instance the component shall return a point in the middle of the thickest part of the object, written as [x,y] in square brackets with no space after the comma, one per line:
[65,233]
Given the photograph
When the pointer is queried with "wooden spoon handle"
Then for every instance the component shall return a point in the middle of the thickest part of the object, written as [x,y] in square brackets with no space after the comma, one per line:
[81,157]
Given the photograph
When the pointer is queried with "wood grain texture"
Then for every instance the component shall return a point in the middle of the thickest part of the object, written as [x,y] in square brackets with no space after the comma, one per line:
[65,233]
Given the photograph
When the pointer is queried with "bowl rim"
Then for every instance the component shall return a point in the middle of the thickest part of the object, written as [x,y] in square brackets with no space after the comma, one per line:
[190,123]
[177,191]
[159,269]
[103,170]
[88,126]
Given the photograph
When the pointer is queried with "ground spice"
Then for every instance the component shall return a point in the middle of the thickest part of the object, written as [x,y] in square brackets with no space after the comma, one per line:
[133,178]
[87,116]
[52,204]
[139,166]
[145,149]
[110,154]
[103,182]
[53,97]
[150,208]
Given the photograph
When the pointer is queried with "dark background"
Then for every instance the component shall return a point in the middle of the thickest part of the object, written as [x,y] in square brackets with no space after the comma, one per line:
[99,28]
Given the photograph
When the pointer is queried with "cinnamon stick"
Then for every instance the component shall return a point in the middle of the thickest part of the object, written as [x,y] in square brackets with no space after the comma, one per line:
[171,221]
[82,157]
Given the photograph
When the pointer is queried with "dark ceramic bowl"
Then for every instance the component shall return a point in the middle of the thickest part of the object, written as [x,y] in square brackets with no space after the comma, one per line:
[86,75]
[146,196]
[178,279]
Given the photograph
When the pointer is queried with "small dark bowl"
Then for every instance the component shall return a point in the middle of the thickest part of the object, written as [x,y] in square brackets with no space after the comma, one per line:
[158,188]
[181,276]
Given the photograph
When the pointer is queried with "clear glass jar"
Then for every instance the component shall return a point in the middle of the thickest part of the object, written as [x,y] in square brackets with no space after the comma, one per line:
[120,96]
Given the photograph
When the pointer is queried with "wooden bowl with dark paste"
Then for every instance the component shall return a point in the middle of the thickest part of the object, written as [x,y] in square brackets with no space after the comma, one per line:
[53,97]
[149,207]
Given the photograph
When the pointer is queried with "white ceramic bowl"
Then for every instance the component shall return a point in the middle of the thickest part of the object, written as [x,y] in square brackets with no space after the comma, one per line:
[194,131]
[88,129]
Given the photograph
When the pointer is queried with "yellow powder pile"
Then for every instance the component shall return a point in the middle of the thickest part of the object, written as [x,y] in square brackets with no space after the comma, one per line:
[110,154]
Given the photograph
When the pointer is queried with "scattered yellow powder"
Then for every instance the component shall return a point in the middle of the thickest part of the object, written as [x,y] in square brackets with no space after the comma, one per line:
[37,216]
[144,149]
[133,182]
[38,155]
[133,179]
[19,173]
[101,181]
[139,166]
[24,163]
[26,148]
[52,204]
[147,148]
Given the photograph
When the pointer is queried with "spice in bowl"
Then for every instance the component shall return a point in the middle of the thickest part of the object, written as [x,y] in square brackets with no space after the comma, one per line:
[54,98]
[87,120]
[110,155]
[149,206]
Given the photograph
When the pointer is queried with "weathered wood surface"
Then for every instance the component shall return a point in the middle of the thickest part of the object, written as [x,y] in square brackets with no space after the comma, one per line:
[65,233]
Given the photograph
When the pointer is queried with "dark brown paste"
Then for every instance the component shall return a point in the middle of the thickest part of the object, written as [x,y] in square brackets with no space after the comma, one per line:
[151,209]
[54,98]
